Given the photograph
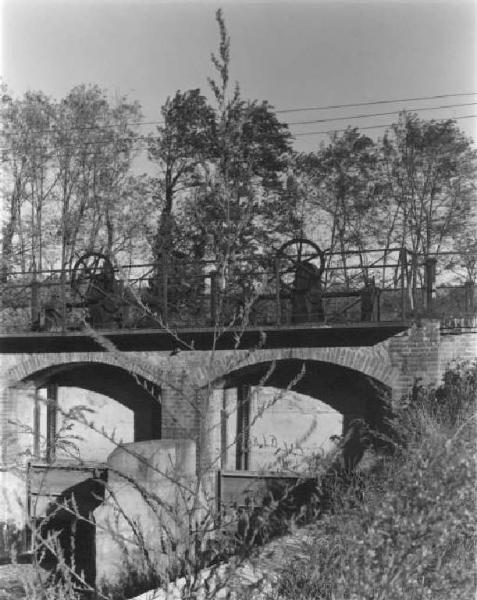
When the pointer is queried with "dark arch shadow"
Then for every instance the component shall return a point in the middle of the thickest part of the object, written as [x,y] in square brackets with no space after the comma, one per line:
[347,391]
[135,392]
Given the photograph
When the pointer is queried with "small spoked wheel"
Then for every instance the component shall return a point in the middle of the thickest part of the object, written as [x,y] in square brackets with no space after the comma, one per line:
[293,255]
[93,276]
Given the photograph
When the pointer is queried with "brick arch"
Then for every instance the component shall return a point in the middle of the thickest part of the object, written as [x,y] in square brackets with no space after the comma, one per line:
[373,362]
[351,391]
[27,368]
[118,377]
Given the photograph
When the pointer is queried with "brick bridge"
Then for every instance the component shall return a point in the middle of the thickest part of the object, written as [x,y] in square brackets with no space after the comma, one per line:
[176,385]
[346,367]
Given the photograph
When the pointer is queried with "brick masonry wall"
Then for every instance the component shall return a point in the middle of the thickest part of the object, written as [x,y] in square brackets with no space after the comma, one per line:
[188,378]
[414,355]
[422,352]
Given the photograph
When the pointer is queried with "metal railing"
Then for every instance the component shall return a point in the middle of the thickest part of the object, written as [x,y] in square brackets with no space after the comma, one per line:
[356,286]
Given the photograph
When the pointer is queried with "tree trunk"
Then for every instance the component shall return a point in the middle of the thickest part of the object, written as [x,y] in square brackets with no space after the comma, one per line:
[8,233]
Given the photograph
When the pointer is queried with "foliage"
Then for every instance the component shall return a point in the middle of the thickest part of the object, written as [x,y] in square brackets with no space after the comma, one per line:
[224,190]
[225,165]
[343,180]
[414,534]
[429,171]
[67,175]
[181,146]
[413,188]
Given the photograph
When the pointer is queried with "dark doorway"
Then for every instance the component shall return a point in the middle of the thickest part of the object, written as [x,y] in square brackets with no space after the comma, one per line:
[68,532]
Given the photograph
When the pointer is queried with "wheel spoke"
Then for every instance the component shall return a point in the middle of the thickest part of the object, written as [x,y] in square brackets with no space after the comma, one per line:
[86,272]
[294,254]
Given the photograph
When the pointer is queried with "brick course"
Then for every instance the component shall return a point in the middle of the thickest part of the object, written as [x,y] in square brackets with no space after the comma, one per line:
[423,351]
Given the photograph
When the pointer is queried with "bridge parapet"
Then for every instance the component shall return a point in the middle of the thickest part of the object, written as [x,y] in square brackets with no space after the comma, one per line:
[365,286]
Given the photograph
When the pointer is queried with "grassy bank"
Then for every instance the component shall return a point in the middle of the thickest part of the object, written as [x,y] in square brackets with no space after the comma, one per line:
[413,537]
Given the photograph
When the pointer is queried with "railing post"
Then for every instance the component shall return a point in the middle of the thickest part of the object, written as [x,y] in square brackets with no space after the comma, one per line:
[36,426]
[430,279]
[35,298]
[51,417]
[213,296]
[278,307]
[403,261]
[63,296]
[369,296]
[469,296]
[164,287]
[243,428]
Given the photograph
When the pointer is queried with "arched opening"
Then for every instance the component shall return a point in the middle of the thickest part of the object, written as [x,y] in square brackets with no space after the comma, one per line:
[122,407]
[78,414]
[275,411]
[77,424]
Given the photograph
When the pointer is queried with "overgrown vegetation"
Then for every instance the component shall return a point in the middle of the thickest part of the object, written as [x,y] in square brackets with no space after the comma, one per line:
[414,534]
[229,185]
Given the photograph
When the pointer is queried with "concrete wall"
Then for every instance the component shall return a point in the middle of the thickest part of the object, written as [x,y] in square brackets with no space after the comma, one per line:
[146,511]
[111,421]
[285,428]
[288,427]
[13,497]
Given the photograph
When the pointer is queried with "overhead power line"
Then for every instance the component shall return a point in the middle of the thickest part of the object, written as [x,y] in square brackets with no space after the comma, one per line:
[134,138]
[367,127]
[307,133]
[373,103]
[281,111]
[382,114]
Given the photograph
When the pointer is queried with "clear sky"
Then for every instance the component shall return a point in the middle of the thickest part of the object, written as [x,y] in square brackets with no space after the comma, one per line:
[294,54]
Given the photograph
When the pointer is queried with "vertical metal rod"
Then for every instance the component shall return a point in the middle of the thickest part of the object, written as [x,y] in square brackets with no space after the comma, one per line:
[35,304]
[469,297]
[403,259]
[277,292]
[164,287]
[36,425]
[430,275]
[243,427]
[223,430]
[63,297]
[213,296]
[51,417]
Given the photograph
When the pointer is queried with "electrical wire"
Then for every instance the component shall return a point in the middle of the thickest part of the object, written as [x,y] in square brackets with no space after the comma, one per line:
[133,138]
[382,114]
[325,120]
[146,147]
[376,102]
[281,111]
[367,127]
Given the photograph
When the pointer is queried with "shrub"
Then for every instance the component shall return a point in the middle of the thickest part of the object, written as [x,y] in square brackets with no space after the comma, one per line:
[413,537]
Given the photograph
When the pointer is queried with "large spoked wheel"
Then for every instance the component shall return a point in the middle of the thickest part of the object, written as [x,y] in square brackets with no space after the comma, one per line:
[93,278]
[293,255]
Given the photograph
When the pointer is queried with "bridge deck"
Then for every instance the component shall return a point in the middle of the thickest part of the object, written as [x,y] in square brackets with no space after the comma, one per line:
[288,336]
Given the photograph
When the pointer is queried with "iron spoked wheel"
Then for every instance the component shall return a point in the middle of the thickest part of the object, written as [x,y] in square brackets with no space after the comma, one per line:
[93,276]
[293,255]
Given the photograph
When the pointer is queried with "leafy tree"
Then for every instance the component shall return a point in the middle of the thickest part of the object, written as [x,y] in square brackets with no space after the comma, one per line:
[94,145]
[240,206]
[415,188]
[26,163]
[67,166]
[344,186]
[429,177]
[182,144]
[222,173]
